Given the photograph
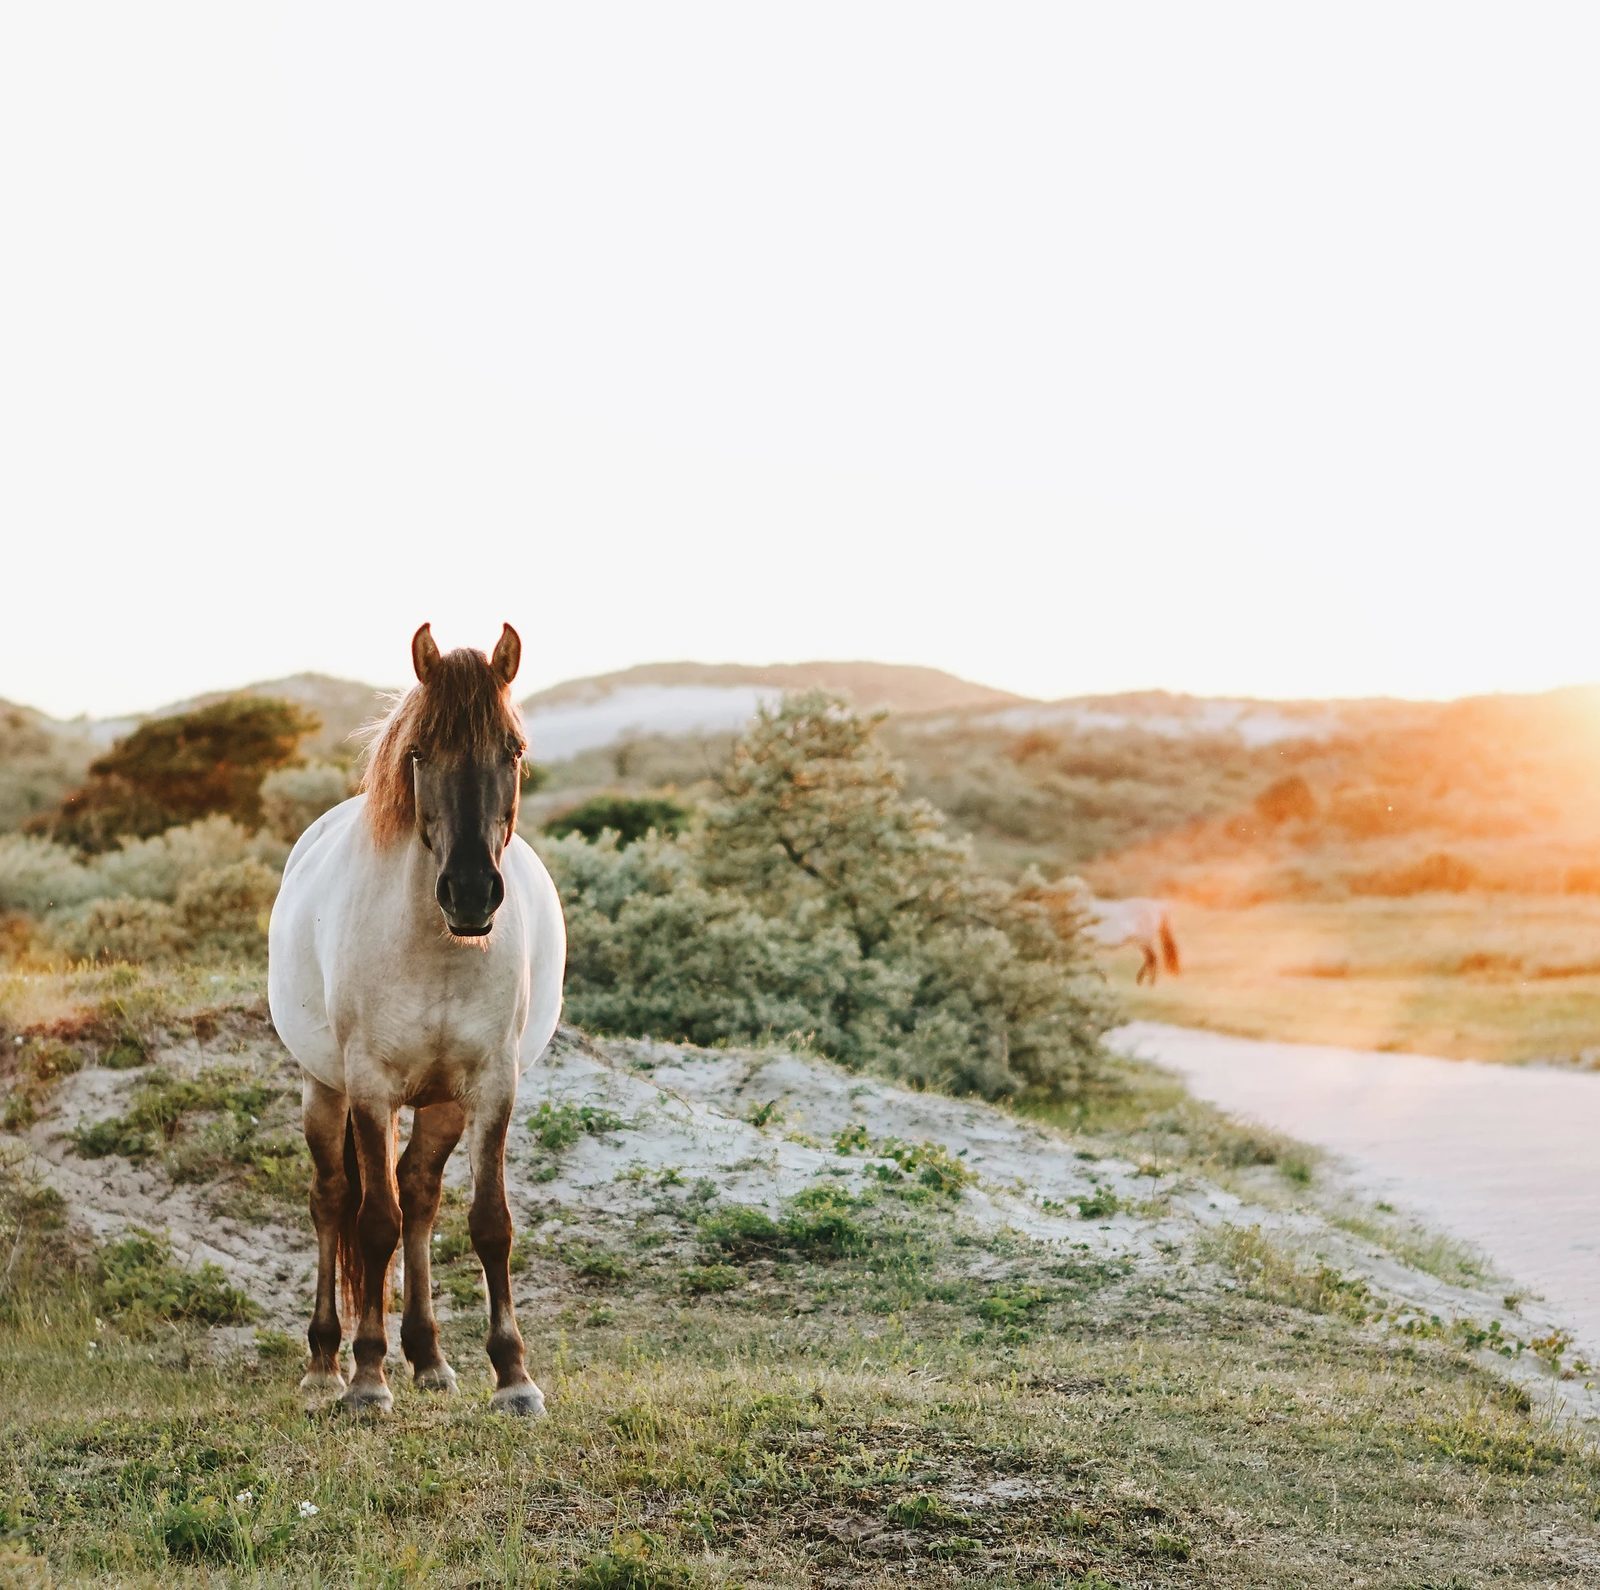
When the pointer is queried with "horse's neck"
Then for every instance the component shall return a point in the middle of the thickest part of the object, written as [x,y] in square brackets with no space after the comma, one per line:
[408,881]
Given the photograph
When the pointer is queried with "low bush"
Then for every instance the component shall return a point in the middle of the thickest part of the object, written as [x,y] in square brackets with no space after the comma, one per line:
[121,929]
[293,798]
[629,817]
[37,876]
[224,910]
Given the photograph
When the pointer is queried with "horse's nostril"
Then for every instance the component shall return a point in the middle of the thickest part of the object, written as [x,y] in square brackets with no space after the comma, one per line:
[442,892]
[497,892]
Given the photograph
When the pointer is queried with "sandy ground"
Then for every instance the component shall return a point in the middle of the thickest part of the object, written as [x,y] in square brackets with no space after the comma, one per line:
[1507,1159]
[690,1120]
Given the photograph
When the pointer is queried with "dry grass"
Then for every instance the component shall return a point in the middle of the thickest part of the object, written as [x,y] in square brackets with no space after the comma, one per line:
[1496,977]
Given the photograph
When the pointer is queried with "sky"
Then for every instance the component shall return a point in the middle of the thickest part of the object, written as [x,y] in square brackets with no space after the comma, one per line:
[1225,348]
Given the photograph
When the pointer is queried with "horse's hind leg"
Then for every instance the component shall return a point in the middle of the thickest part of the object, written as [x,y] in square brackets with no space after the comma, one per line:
[489,1222]
[323,1113]
[434,1132]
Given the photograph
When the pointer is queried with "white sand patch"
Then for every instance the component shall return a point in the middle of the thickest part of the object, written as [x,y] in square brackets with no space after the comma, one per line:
[558,732]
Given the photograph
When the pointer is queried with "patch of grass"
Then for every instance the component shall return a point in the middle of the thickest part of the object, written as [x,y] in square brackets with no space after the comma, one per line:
[556,1127]
[595,1265]
[823,1223]
[925,1510]
[1100,1204]
[163,1100]
[40,1255]
[36,1064]
[930,1166]
[1148,1115]
[1266,1271]
[1422,1249]
[625,1569]
[139,1281]
[710,1280]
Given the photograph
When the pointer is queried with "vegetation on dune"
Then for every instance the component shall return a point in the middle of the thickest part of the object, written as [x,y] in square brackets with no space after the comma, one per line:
[816,898]
[171,771]
[39,763]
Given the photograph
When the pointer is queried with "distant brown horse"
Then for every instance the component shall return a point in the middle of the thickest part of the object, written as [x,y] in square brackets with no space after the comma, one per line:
[1146,923]
[416,953]
[1113,923]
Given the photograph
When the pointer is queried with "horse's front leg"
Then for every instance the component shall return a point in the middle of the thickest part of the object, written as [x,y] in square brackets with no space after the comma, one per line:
[376,1234]
[489,1222]
[323,1114]
[435,1131]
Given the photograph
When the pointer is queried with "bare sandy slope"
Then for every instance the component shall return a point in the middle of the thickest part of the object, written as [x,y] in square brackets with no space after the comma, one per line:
[690,1132]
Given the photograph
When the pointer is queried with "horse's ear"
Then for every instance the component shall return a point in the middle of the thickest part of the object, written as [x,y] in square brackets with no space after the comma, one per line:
[424,652]
[507,655]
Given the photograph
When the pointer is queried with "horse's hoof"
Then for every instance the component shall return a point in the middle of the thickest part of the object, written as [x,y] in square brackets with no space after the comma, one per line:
[436,1377]
[368,1399]
[322,1383]
[524,1402]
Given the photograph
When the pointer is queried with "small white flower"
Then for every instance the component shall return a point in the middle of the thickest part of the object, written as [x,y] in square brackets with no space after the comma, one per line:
[94,1347]
[245,1498]
[309,1509]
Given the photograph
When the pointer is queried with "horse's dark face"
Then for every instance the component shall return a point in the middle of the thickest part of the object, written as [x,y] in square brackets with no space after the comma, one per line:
[466,815]
[466,777]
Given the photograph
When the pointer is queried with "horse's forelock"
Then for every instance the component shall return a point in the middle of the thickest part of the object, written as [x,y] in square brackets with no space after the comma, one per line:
[463,713]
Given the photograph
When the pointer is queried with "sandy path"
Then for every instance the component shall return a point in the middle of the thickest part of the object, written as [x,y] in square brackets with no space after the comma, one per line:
[1506,1159]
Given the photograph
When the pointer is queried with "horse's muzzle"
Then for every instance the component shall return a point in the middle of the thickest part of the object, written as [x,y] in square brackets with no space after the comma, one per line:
[469,899]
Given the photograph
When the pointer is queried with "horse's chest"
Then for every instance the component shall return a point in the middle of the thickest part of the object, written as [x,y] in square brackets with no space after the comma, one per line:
[446,1023]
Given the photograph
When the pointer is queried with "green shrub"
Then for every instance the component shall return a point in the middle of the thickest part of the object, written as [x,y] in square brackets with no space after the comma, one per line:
[629,817]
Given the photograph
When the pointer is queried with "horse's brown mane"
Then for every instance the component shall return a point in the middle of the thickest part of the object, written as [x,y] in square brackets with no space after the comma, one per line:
[462,713]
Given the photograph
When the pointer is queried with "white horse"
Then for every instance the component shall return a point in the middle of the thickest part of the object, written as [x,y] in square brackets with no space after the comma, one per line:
[1113,923]
[416,953]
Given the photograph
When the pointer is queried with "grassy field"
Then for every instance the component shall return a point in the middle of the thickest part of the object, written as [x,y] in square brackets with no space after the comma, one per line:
[867,1386]
[1480,977]
[821,1426]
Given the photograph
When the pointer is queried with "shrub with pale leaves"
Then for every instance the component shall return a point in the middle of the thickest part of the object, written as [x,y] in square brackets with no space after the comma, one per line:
[156,868]
[38,876]
[223,911]
[123,929]
[293,798]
